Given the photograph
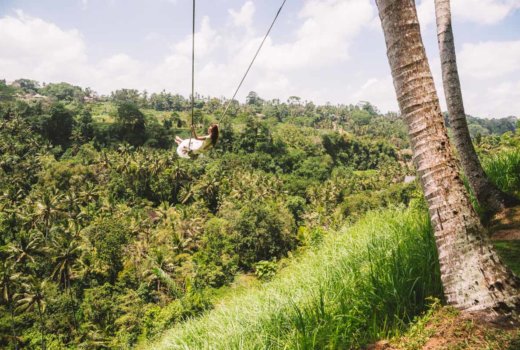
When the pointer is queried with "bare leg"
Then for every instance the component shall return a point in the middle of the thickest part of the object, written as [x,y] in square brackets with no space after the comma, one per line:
[178,140]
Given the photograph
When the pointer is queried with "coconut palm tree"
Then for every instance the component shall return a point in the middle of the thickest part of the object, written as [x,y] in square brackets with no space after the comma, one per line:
[65,251]
[8,280]
[33,299]
[47,209]
[473,277]
[487,194]
[25,250]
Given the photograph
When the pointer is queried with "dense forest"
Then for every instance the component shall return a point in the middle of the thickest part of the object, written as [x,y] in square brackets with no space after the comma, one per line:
[109,238]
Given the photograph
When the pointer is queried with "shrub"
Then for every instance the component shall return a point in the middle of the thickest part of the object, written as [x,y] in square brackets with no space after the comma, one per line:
[265,270]
[261,231]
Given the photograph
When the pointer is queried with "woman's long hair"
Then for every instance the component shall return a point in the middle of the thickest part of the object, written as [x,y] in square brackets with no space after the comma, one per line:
[213,134]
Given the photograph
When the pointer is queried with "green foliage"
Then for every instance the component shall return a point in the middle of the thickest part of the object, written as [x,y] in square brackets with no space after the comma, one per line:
[6,92]
[130,123]
[488,126]
[261,231]
[129,96]
[57,125]
[357,154]
[107,238]
[26,85]
[63,92]
[265,270]
[217,260]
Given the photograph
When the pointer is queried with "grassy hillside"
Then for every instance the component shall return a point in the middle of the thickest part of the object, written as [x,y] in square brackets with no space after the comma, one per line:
[361,284]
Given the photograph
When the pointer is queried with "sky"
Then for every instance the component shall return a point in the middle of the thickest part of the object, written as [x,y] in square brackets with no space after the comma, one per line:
[320,50]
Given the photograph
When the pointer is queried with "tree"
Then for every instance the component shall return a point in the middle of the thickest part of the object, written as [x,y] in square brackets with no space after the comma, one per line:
[25,249]
[33,298]
[488,195]
[58,124]
[47,210]
[252,98]
[64,92]
[126,95]
[27,85]
[8,279]
[65,250]
[130,123]
[6,92]
[473,277]
[86,126]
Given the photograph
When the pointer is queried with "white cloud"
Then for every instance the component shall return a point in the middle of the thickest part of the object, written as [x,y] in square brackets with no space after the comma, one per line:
[490,59]
[34,48]
[492,100]
[41,50]
[324,37]
[243,17]
[490,77]
[504,98]
[379,91]
[206,40]
[478,11]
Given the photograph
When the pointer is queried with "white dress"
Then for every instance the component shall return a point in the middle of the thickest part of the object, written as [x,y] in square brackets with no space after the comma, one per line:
[188,145]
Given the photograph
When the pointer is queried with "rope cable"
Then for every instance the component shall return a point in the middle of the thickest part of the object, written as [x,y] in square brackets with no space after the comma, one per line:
[252,61]
[192,73]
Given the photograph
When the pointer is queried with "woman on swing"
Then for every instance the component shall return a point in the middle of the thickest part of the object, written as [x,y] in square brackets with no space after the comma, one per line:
[190,148]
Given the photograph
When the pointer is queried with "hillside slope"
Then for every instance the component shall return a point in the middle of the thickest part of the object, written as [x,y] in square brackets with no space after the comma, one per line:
[362,284]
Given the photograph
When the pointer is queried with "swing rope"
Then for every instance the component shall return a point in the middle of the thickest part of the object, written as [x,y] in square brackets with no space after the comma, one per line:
[221,119]
[192,74]
[252,61]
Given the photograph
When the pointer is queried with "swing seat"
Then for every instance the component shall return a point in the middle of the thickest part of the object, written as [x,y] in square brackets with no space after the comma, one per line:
[189,148]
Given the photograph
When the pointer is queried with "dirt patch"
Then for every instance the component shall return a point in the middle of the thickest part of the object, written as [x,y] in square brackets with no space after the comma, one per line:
[511,234]
[506,225]
[508,218]
[447,329]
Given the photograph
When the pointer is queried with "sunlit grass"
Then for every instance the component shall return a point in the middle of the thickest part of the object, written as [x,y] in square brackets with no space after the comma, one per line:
[503,169]
[360,285]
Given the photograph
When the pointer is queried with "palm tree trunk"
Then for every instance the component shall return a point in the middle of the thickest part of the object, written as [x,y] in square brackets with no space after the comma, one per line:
[472,275]
[73,302]
[42,333]
[488,195]
[13,329]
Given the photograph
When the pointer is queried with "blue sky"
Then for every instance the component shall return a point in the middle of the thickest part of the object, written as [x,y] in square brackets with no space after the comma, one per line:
[321,50]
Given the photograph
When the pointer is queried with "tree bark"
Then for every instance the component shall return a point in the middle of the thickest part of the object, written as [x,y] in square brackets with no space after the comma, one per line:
[473,277]
[487,194]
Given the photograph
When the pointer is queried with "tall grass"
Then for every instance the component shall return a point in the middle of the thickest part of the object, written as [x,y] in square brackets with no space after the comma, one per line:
[503,169]
[360,285]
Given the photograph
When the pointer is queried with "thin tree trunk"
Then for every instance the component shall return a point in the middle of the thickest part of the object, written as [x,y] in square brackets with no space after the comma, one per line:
[488,195]
[473,277]
[41,327]
[13,329]
[73,302]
